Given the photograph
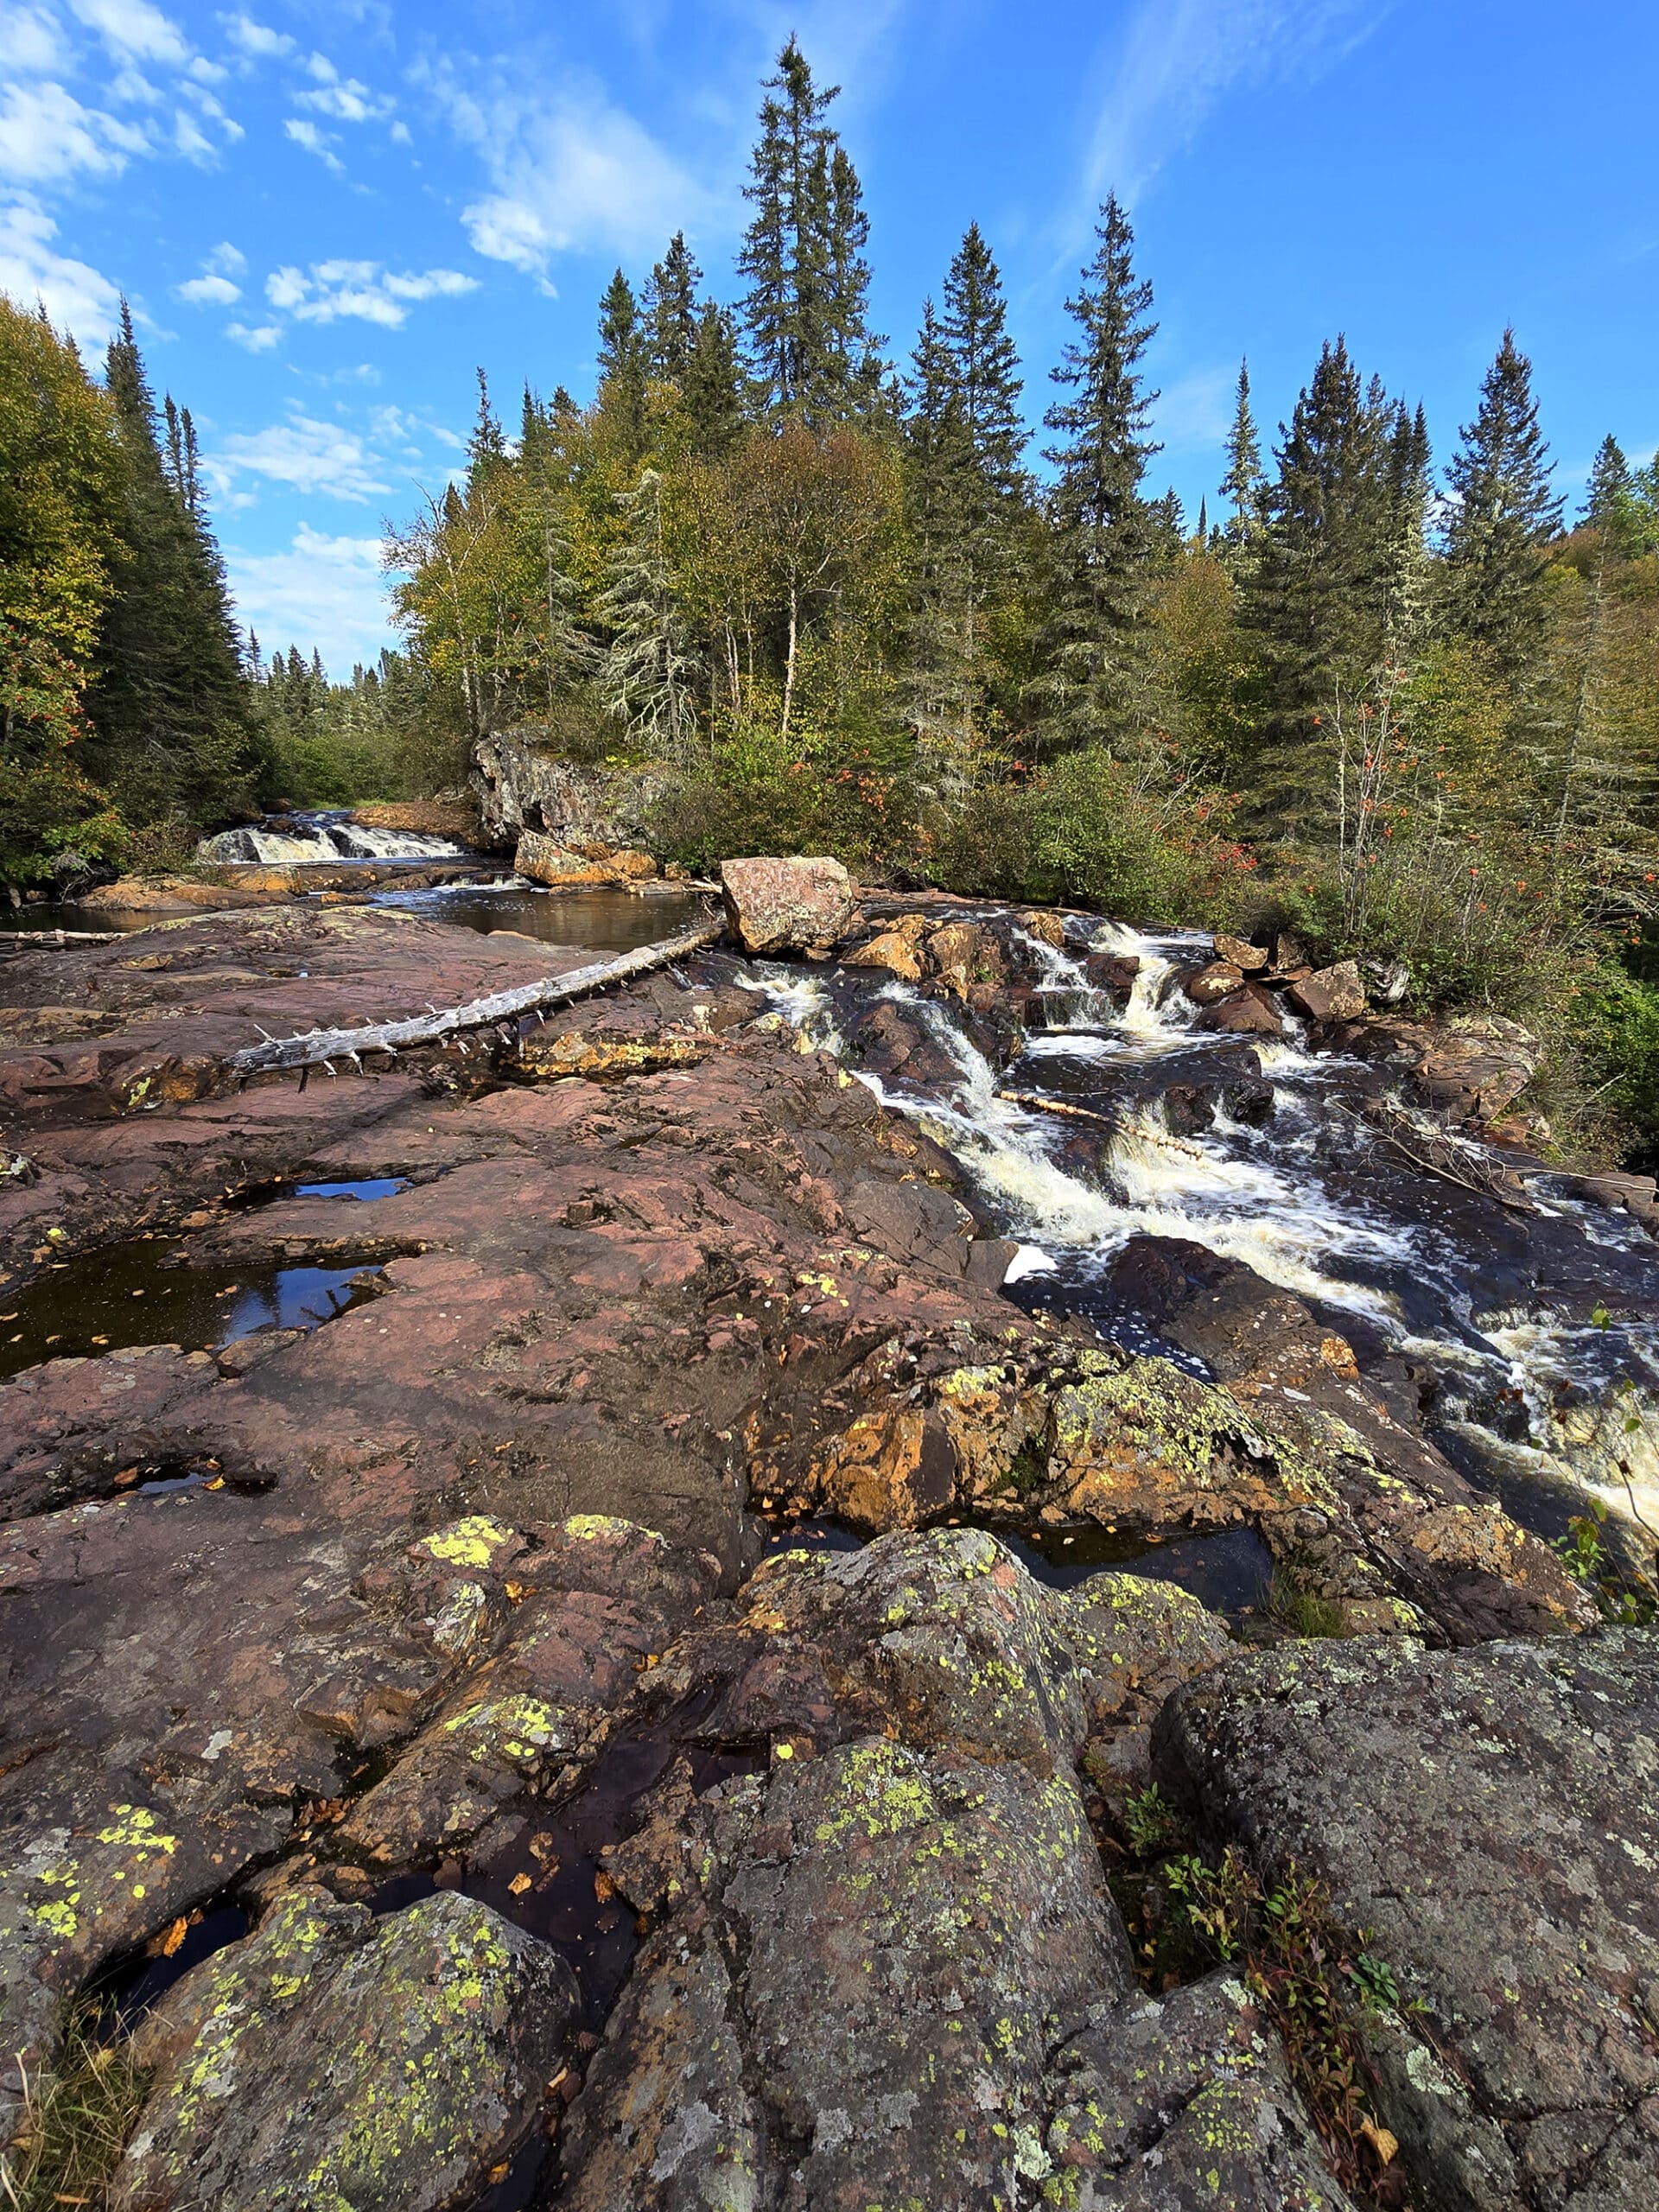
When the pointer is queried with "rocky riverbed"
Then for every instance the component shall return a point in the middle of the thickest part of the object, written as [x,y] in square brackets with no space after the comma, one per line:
[675,1609]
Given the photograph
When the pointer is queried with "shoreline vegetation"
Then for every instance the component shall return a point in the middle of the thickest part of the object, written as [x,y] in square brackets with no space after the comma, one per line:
[1395,701]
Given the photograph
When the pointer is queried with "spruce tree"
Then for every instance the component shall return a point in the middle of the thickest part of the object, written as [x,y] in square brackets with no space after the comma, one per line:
[1103,534]
[624,364]
[967,489]
[649,676]
[1319,591]
[168,709]
[671,311]
[564,649]
[1502,518]
[803,256]
[486,448]
[1611,505]
[711,388]
[1243,487]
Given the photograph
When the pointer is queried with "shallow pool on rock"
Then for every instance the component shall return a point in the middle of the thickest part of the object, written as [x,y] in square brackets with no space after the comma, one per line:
[602,921]
[135,1293]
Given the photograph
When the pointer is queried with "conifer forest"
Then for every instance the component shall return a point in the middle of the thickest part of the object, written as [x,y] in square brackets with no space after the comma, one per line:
[1384,688]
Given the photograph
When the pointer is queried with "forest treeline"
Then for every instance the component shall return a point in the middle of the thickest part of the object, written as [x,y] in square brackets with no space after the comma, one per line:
[1399,701]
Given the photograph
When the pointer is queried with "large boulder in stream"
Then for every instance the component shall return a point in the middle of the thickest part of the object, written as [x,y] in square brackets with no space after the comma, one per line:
[1492,1816]
[334,2060]
[786,906]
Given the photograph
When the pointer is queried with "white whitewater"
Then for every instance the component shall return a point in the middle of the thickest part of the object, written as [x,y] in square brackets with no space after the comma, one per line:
[316,839]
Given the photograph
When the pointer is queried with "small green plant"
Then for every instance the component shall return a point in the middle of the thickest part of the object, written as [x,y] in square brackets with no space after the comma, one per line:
[78,2113]
[1373,1978]
[1151,1824]
[1294,1606]
[1622,1594]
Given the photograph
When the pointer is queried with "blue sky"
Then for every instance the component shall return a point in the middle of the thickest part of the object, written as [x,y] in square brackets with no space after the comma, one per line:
[326,216]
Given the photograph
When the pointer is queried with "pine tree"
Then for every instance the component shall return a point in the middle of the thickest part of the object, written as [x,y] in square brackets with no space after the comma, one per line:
[1319,593]
[803,256]
[1103,533]
[967,491]
[624,362]
[671,311]
[650,675]
[1502,518]
[1243,487]
[167,708]
[711,388]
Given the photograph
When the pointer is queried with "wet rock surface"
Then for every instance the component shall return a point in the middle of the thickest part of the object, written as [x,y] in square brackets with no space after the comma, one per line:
[576,1821]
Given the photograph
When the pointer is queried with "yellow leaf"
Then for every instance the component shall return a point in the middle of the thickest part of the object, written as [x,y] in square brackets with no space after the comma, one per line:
[518,1885]
[1382,2140]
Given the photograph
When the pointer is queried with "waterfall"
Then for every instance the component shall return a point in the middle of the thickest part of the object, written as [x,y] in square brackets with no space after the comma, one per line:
[312,838]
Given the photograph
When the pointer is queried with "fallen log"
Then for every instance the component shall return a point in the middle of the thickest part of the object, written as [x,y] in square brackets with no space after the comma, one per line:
[321,1047]
[1041,1102]
[1438,1153]
[26,939]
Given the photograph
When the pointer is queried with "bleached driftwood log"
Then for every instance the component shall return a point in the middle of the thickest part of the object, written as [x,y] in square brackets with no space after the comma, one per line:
[321,1047]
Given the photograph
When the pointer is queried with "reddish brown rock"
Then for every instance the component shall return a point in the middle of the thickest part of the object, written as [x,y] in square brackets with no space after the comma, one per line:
[786,906]
[1250,1012]
[1336,994]
[1239,952]
[1206,986]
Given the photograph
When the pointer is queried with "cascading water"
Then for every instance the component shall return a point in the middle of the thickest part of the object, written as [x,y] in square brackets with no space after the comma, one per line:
[1304,1193]
[305,839]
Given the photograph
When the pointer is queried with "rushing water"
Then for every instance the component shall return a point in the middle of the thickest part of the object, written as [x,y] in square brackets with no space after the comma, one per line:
[300,840]
[1539,1330]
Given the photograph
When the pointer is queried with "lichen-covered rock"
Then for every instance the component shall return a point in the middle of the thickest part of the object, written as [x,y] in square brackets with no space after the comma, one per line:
[897,949]
[332,2061]
[1336,994]
[1183,2104]
[784,905]
[909,1926]
[1493,1816]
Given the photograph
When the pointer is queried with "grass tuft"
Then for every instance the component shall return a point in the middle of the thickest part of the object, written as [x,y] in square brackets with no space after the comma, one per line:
[78,2113]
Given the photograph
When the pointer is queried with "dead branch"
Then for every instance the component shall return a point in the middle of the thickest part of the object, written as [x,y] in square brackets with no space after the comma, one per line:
[321,1047]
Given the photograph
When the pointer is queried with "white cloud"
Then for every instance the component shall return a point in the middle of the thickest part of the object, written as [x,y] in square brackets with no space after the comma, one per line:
[362,290]
[30,42]
[324,592]
[208,291]
[133,26]
[315,142]
[303,453]
[257,339]
[190,139]
[77,297]
[343,97]
[1179,58]
[255,39]
[1195,412]
[45,133]
[226,259]
[568,170]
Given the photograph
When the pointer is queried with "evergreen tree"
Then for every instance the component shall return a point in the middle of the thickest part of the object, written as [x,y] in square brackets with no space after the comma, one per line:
[711,388]
[1405,578]
[1502,518]
[486,448]
[1243,487]
[967,489]
[1319,594]
[803,256]
[1104,537]
[624,364]
[168,707]
[564,651]
[1612,504]
[650,674]
[671,311]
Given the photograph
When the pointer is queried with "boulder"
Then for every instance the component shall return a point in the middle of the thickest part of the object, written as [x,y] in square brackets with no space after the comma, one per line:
[1250,1012]
[1239,952]
[1477,1064]
[332,2058]
[786,904]
[1205,986]
[525,780]
[544,862]
[172,894]
[898,949]
[1335,993]
[1045,925]
[425,817]
[1288,957]
[1490,1816]
[964,955]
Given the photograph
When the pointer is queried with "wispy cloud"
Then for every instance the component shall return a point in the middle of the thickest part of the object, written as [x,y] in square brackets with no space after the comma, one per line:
[304,454]
[315,141]
[216,286]
[1195,412]
[134,28]
[46,135]
[76,296]
[345,98]
[33,43]
[566,168]
[1178,59]
[322,591]
[332,291]
[256,39]
[258,338]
